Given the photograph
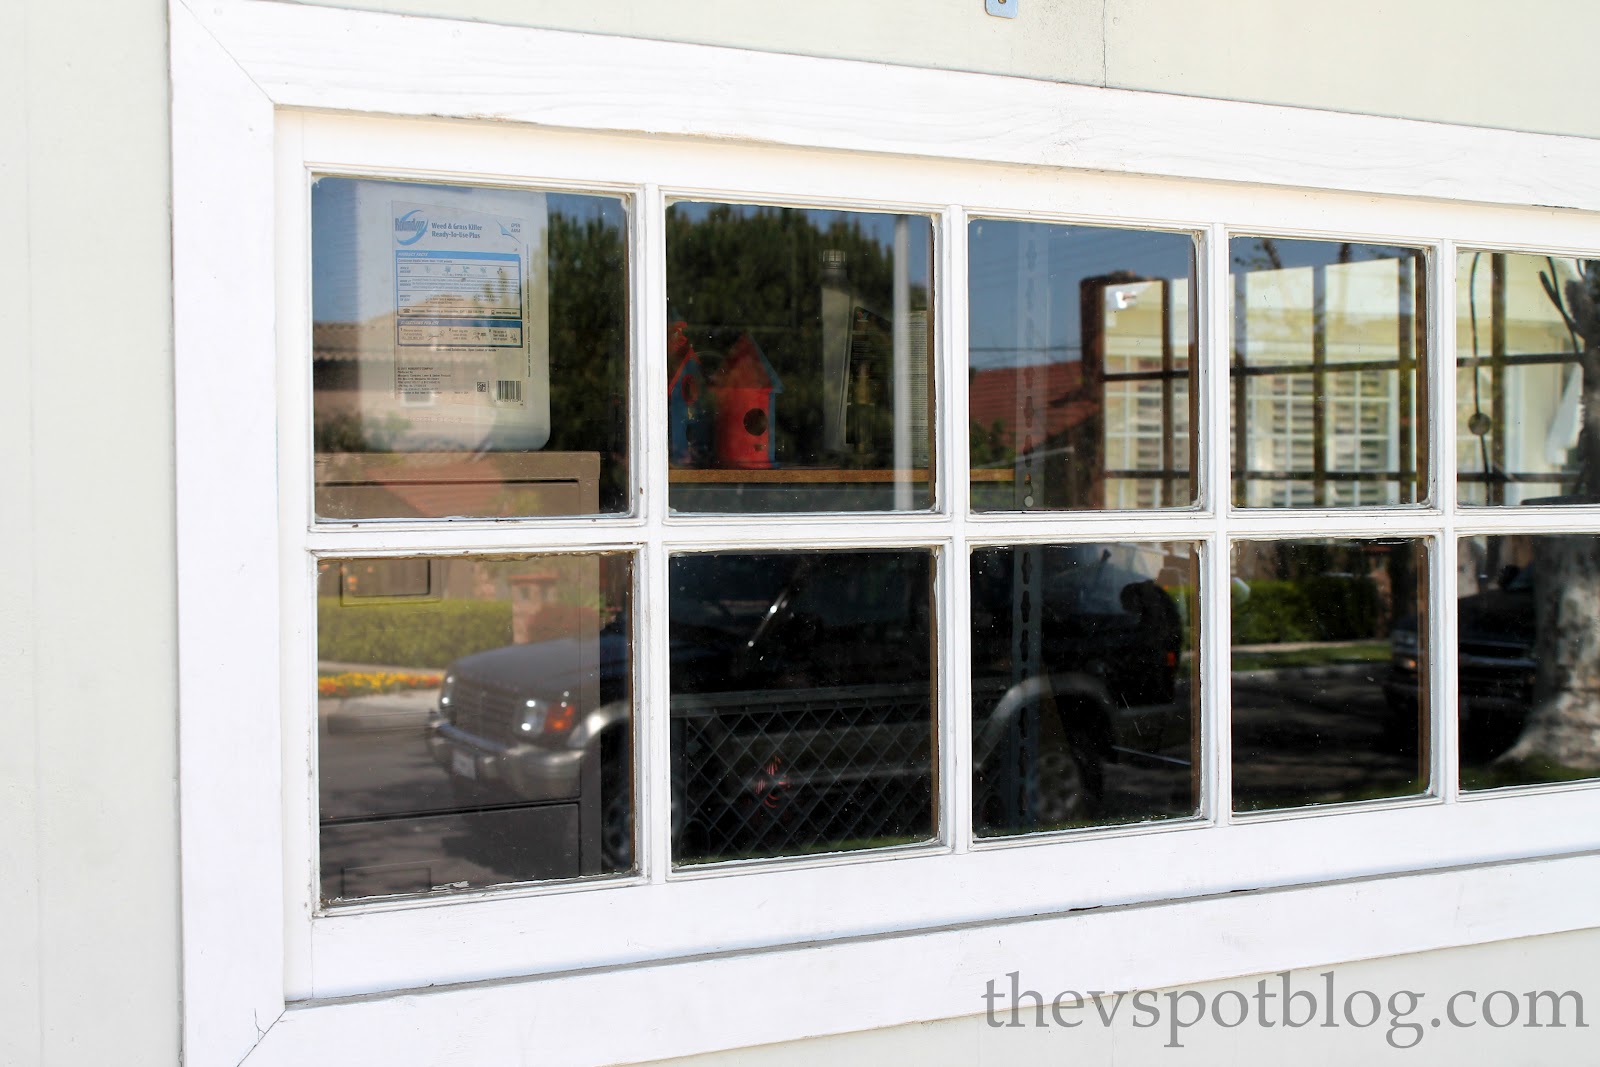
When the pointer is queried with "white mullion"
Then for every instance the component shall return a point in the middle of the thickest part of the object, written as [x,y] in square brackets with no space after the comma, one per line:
[652,722]
[1097,533]
[953,464]
[954,686]
[1513,519]
[1269,524]
[297,591]
[778,531]
[1216,469]
[520,536]
[951,291]
[1037,527]
[1444,694]
[652,700]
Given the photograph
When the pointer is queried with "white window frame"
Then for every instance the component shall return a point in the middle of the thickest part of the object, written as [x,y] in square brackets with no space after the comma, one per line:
[670,964]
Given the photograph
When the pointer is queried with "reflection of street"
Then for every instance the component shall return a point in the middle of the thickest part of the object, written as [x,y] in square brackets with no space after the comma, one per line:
[1316,736]
[1153,776]
[391,822]
[373,757]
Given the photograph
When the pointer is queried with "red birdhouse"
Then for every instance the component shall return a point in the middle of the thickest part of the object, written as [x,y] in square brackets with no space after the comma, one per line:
[744,387]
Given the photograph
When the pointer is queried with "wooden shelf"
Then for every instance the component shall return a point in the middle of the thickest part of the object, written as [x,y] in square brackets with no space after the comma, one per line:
[815,476]
[792,476]
[404,485]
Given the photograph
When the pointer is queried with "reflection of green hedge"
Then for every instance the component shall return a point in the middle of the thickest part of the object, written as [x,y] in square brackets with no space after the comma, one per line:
[1322,608]
[427,634]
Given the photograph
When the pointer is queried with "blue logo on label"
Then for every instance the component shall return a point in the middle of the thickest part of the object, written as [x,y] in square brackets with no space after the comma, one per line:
[416,227]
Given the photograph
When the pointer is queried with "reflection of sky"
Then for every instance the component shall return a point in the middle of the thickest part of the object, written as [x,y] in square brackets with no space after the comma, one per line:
[1267,253]
[334,204]
[998,283]
[875,225]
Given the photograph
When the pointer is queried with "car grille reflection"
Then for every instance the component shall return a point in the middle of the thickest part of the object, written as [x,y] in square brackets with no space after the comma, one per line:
[485,710]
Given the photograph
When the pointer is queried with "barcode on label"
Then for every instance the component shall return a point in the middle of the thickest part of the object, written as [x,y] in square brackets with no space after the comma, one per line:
[508,389]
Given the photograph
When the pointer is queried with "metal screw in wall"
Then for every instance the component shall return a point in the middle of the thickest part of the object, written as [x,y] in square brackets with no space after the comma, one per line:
[1006,9]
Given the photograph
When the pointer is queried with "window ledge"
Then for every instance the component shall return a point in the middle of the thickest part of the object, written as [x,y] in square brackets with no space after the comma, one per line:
[742,998]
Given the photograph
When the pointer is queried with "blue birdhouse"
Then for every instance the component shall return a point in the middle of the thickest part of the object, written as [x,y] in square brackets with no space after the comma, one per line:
[688,414]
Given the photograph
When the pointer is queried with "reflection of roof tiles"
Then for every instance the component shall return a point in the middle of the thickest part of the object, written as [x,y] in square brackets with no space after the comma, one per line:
[993,396]
[342,340]
[337,341]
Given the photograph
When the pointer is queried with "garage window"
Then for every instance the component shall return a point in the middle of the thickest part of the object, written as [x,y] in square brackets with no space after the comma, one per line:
[790,640]
[606,553]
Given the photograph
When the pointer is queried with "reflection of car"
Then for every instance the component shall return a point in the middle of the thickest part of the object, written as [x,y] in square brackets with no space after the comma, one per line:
[1495,663]
[1105,689]
[801,710]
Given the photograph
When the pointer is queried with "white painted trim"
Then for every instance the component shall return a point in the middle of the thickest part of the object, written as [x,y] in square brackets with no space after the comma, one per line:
[543,930]
[685,961]
[733,999]
[360,61]
[1215,483]
[228,629]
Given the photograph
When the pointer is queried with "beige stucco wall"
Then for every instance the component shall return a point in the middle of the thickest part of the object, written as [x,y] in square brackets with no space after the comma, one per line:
[88,824]
[1523,66]
[89,941]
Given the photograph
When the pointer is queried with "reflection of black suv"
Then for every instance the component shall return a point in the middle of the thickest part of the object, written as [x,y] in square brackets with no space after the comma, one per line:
[802,704]
[1495,665]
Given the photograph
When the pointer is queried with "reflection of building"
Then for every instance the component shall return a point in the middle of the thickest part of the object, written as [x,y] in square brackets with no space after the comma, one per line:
[1110,429]
[1518,386]
[1325,376]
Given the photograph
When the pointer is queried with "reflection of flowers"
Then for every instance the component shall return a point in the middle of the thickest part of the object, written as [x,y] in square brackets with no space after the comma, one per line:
[366,683]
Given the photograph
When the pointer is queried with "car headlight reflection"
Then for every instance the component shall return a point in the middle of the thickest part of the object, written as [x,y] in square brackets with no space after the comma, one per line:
[533,716]
[547,717]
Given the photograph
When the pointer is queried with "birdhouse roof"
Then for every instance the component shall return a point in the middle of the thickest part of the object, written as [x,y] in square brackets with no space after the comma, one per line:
[682,360]
[686,366]
[746,367]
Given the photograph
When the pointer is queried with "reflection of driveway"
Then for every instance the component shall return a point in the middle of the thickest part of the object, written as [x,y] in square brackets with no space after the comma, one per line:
[390,819]
[1315,736]
[405,709]
[371,761]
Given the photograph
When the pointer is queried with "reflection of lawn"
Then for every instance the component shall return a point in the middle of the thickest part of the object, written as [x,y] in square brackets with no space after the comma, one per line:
[1321,655]
[1521,772]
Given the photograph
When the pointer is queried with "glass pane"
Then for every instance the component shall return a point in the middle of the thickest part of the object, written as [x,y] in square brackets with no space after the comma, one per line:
[469,351]
[473,722]
[1320,715]
[1329,358]
[802,702]
[1527,656]
[1081,354]
[1085,690]
[1520,396]
[800,359]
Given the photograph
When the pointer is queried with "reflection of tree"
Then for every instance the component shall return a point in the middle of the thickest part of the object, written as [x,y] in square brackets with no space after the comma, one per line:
[589,346]
[733,271]
[1563,726]
[989,446]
